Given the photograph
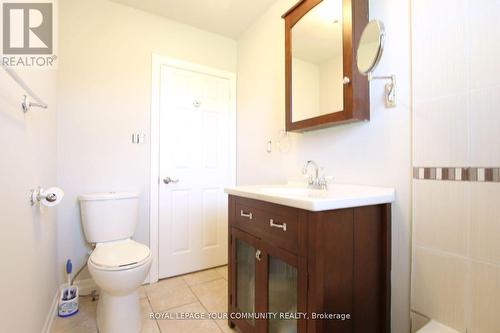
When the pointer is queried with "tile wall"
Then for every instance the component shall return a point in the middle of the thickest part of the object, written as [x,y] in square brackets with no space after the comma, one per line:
[456,131]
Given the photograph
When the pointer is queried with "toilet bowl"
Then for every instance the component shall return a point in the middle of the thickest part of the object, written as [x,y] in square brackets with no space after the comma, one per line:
[119,268]
[118,264]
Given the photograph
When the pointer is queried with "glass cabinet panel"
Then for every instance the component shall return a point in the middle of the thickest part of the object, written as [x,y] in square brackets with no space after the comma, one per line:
[245,278]
[282,284]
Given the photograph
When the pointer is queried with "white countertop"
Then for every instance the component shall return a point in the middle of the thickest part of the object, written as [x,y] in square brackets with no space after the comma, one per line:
[337,196]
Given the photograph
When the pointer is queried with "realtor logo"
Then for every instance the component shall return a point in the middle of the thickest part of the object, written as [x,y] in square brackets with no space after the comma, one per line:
[27,28]
[28,33]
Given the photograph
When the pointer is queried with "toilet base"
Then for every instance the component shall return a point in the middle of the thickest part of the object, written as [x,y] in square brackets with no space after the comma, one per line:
[119,313]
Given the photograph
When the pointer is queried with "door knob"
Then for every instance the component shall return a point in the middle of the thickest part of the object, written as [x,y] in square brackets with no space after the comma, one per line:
[169,180]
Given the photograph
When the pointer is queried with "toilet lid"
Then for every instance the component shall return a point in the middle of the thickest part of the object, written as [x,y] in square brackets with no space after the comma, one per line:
[119,254]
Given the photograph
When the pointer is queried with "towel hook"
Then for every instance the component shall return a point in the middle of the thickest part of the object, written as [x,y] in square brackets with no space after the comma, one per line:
[27,104]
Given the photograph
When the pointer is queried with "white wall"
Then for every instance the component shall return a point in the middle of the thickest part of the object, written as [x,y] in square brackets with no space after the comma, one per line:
[28,279]
[376,152]
[105,96]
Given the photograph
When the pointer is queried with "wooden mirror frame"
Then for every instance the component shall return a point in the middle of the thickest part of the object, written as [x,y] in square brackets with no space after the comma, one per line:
[357,91]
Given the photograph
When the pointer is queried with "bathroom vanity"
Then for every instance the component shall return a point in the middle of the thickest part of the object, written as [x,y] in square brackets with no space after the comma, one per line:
[318,260]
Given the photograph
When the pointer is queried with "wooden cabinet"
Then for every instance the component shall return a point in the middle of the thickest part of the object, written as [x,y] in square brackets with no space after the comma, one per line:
[323,86]
[266,279]
[308,271]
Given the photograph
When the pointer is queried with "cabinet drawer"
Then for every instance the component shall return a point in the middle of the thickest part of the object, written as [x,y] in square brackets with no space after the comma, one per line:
[247,217]
[274,223]
[281,231]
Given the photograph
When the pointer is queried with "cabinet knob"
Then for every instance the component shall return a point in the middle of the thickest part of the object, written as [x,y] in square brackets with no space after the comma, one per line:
[258,255]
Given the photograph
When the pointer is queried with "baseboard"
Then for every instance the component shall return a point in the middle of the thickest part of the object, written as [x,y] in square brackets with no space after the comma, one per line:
[47,327]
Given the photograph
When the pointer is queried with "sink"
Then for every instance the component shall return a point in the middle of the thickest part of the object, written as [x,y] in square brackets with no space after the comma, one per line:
[294,191]
[337,196]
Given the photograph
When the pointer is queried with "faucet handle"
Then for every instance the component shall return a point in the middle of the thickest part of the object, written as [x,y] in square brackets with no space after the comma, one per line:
[324,181]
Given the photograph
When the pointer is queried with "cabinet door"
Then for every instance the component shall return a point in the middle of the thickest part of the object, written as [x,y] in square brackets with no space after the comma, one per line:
[285,289]
[243,280]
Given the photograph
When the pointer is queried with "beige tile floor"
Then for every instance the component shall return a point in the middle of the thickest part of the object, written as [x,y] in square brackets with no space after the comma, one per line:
[199,292]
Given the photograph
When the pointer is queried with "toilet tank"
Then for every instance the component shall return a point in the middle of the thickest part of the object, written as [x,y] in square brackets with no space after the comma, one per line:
[109,216]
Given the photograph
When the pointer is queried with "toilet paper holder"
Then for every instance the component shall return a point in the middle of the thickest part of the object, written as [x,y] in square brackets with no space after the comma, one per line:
[48,197]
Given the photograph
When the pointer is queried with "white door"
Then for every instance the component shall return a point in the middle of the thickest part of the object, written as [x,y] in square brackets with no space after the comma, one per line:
[196,138]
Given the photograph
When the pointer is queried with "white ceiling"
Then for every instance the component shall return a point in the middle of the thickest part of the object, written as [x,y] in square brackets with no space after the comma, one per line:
[225,17]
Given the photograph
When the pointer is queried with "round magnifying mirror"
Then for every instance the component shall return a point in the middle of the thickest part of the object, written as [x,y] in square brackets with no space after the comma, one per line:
[371,46]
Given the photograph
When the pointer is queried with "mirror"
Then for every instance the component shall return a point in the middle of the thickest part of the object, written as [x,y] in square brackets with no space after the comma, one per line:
[323,86]
[317,62]
[370,49]
[371,46]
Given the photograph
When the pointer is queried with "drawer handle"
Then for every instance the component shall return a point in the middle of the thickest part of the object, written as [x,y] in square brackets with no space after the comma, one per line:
[258,255]
[247,215]
[277,225]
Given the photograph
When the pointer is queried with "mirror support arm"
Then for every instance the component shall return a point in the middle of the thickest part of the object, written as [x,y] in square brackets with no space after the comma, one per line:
[390,89]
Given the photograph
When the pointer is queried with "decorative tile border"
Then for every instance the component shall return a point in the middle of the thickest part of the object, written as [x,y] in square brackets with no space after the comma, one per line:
[470,174]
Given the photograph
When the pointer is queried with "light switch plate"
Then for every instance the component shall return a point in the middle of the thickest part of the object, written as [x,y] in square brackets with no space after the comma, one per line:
[138,138]
[142,138]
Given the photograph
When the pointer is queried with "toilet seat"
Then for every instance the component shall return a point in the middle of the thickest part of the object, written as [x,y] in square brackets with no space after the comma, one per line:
[120,255]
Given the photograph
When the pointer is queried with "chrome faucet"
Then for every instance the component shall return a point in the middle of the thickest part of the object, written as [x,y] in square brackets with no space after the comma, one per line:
[315,182]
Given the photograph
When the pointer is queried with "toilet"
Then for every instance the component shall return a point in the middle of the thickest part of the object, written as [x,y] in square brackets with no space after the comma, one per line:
[118,264]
